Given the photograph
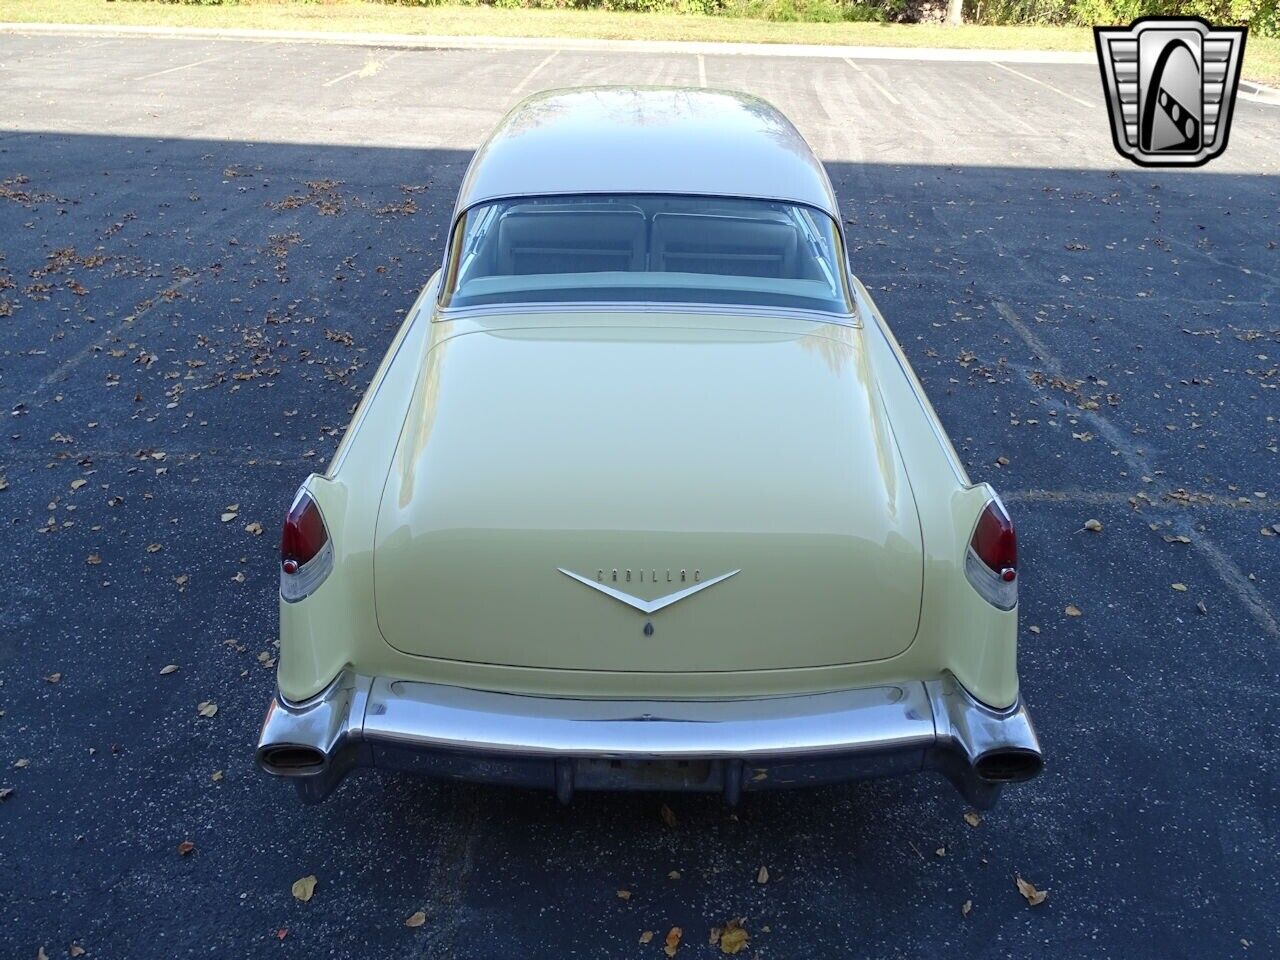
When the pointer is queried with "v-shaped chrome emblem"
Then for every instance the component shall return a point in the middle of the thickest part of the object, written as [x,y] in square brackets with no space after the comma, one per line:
[648,606]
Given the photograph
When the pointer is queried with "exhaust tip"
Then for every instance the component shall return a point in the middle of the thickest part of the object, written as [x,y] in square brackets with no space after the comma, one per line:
[1013,765]
[291,760]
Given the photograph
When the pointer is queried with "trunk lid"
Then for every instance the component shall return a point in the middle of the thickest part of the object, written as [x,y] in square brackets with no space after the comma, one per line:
[540,465]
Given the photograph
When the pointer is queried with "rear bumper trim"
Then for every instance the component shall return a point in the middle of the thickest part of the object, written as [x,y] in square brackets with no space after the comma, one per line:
[731,746]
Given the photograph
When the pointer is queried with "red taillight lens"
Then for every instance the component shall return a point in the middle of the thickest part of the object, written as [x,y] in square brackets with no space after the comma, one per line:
[304,534]
[995,542]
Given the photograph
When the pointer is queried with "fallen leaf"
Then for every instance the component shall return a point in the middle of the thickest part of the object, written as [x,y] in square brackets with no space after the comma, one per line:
[22,763]
[53,677]
[624,894]
[734,937]
[416,919]
[216,776]
[673,875]
[75,950]
[1072,610]
[5,793]
[1201,607]
[206,708]
[40,954]
[77,484]
[282,933]
[1093,525]
[255,528]
[1180,587]
[669,816]
[941,851]
[965,908]
[154,548]
[646,936]
[168,668]
[673,941]
[93,560]
[304,888]
[763,875]
[185,847]
[1033,896]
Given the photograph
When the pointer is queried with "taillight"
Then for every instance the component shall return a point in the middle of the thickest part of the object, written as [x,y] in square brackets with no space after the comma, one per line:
[991,563]
[306,555]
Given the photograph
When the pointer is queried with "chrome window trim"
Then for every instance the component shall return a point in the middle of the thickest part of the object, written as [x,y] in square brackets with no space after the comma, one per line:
[445,314]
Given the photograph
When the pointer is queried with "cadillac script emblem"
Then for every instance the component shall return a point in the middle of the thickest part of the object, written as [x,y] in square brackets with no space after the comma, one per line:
[691,582]
[1170,84]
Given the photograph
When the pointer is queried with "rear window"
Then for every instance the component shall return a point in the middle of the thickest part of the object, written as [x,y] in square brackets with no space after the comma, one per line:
[654,249]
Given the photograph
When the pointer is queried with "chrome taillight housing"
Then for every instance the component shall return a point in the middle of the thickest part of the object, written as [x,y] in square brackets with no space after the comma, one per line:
[306,552]
[991,562]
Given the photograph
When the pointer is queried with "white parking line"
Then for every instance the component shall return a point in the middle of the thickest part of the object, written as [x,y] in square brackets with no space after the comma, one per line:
[702,71]
[534,72]
[875,83]
[370,68]
[1019,73]
[185,66]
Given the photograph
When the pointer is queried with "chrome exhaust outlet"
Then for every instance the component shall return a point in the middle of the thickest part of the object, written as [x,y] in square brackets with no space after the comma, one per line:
[978,748]
[1008,765]
[317,742]
[290,760]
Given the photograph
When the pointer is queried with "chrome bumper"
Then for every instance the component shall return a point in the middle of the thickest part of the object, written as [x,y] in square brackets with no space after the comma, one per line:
[728,746]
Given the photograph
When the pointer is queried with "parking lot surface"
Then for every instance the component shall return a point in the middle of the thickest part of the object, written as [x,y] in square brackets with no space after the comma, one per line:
[205,247]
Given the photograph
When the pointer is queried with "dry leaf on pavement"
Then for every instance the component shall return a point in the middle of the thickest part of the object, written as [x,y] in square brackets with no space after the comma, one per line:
[673,941]
[1094,526]
[416,919]
[669,816]
[303,888]
[763,875]
[1027,889]
[646,936]
[972,818]
[1072,610]
[734,937]
[206,708]
[624,894]
[168,669]
[186,847]
[965,908]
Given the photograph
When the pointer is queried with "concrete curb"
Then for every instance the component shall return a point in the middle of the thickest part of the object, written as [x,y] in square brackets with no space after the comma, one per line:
[428,42]
[1259,91]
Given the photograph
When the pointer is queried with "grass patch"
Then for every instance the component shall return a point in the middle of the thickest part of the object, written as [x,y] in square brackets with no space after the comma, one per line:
[1262,56]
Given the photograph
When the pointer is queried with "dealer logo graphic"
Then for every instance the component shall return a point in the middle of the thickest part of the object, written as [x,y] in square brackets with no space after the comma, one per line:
[1170,84]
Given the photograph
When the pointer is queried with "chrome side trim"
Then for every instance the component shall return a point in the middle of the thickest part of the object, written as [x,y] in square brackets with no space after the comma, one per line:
[727,745]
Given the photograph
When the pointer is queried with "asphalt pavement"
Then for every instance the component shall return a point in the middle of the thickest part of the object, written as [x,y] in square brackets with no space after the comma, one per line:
[205,246]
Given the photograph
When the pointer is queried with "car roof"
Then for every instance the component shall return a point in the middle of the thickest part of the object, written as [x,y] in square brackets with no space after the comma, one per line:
[597,140]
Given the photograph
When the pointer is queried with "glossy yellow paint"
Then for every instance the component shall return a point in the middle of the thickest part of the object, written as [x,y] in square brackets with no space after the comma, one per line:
[493,448]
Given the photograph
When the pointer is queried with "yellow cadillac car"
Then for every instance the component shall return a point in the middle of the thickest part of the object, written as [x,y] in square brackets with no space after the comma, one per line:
[645,494]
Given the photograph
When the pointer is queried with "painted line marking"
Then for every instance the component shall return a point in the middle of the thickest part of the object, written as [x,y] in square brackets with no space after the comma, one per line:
[371,68]
[874,82]
[702,71]
[1050,86]
[1231,576]
[534,72]
[185,66]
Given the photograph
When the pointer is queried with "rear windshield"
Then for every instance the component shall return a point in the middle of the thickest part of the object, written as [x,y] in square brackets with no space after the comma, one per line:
[655,249]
